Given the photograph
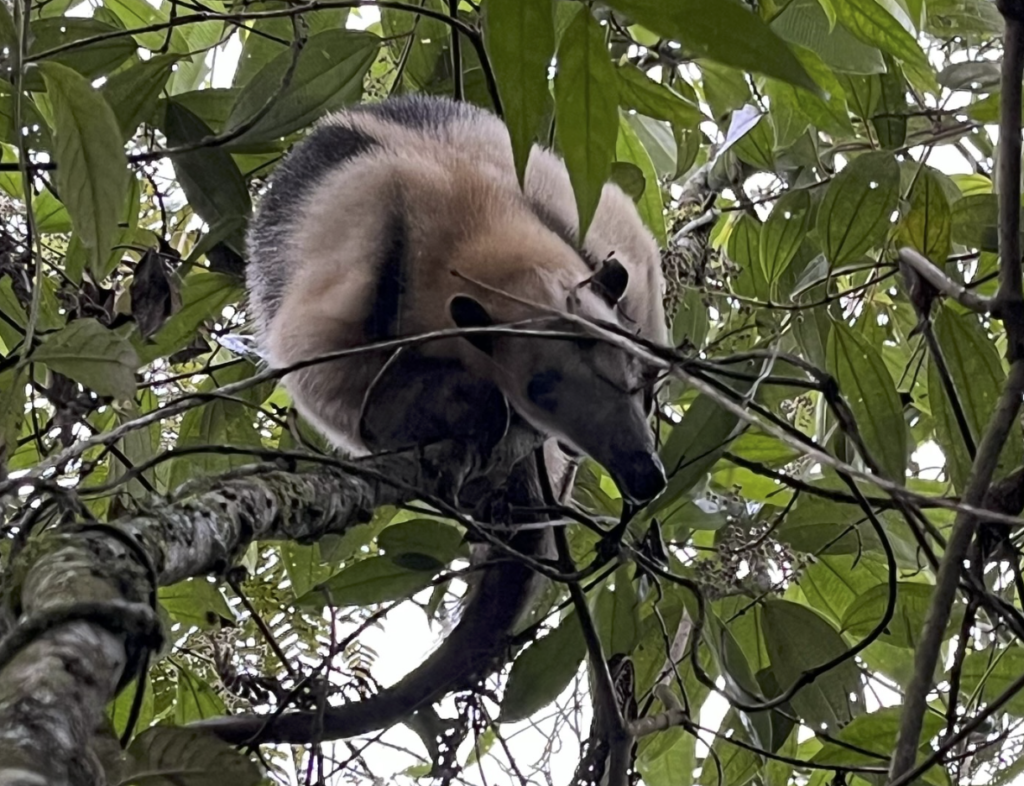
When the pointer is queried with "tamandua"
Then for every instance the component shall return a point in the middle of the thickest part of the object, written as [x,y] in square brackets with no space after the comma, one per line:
[405,217]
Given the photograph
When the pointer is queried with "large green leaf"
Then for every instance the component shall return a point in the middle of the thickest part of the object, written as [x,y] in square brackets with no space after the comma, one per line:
[729,764]
[520,39]
[869,389]
[221,421]
[210,178]
[545,669]
[586,111]
[196,700]
[93,355]
[196,602]
[804,22]
[91,61]
[872,733]
[977,376]
[721,30]
[133,93]
[987,674]
[976,221]
[858,206]
[139,13]
[799,640]
[639,92]
[928,225]
[92,171]
[617,615]
[372,580]
[832,582]
[421,544]
[904,630]
[328,76]
[628,148]
[269,37]
[873,24]
[304,565]
[187,757]
[783,233]
[692,448]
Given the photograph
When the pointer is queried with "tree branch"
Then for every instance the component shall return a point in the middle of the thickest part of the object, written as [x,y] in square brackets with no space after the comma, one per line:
[48,709]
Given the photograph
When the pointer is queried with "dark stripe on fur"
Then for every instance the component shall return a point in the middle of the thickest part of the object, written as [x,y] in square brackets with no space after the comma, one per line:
[384,318]
[326,148]
[420,112]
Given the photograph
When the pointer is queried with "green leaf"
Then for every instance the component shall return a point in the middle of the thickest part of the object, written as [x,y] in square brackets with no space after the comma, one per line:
[372,580]
[196,602]
[977,375]
[520,40]
[757,146]
[92,61]
[268,37]
[928,225]
[721,30]
[93,355]
[435,542]
[328,76]
[738,765]
[629,149]
[799,640]
[890,118]
[639,92]
[211,180]
[617,615]
[541,672]
[805,23]
[876,26]
[221,421]
[304,565]
[138,13]
[871,393]
[783,233]
[92,171]
[976,221]
[692,448]
[187,757]
[858,207]
[691,322]
[904,630]
[586,112]
[133,93]
[196,700]
[744,248]
[987,674]
[872,733]
[832,582]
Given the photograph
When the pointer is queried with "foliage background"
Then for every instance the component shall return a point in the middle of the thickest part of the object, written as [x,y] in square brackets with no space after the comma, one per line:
[780,152]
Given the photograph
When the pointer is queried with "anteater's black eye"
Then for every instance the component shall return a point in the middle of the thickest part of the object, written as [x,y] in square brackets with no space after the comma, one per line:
[541,389]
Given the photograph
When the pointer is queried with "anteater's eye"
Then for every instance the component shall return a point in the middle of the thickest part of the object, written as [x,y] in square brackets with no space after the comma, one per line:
[541,389]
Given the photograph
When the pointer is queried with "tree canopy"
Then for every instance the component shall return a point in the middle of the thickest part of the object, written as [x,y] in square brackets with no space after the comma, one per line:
[829,590]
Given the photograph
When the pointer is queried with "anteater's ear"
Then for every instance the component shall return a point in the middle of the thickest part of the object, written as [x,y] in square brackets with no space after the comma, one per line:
[610,281]
[469,313]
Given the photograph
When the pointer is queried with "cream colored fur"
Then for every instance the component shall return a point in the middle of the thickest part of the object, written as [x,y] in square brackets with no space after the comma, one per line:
[463,210]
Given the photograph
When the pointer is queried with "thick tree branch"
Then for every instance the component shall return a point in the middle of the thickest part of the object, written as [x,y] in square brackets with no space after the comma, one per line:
[54,688]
